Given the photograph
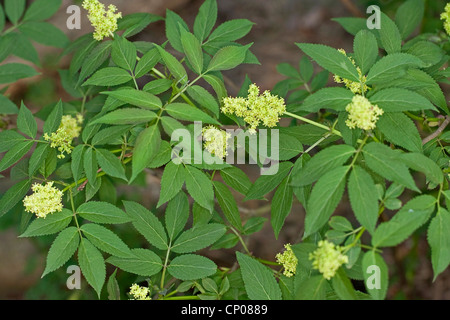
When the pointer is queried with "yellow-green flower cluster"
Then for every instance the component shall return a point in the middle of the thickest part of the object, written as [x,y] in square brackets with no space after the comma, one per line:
[355,87]
[104,22]
[256,109]
[45,200]
[69,129]
[216,141]
[139,293]
[362,114]
[288,260]
[446,17]
[328,258]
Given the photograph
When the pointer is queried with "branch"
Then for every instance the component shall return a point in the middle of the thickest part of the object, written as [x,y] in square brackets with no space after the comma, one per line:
[438,131]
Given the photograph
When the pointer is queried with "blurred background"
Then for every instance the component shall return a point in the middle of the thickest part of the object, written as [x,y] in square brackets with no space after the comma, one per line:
[278,25]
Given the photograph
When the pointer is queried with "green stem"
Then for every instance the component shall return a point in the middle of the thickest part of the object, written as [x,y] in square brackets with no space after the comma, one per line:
[314,123]
[183,298]
[241,240]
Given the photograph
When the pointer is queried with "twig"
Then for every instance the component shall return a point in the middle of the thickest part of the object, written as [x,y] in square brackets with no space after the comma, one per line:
[352,8]
[438,131]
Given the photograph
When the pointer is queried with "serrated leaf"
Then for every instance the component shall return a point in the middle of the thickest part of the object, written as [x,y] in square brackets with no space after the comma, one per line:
[198,238]
[281,205]
[200,187]
[230,31]
[330,59]
[42,10]
[146,146]
[323,162]
[102,212]
[236,179]
[172,180]
[421,163]
[147,62]
[343,286]
[51,224]
[106,240]
[409,15]
[92,265]
[15,154]
[53,120]
[363,198]
[260,284]
[204,98]
[191,267]
[325,196]
[143,262]
[413,214]
[14,9]
[110,164]
[400,130]
[228,204]
[124,53]
[390,35]
[206,19]
[391,67]
[62,249]
[12,72]
[334,98]
[174,66]
[136,98]
[147,224]
[193,49]
[126,116]
[365,47]
[398,100]
[44,33]
[183,111]
[177,214]
[375,272]
[108,77]
[439,240]
[227,58]
[26,122]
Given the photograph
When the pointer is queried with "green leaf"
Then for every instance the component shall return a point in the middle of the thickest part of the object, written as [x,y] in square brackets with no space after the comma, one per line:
[146,147]
[371,276]
[363,198]
[198,238]
[236,179]
[205,20]
[171,182]
[54,119]
[51,224]
[113,287]
[77,162]
[427,51]
[15,154]
[365,47]
[124,53]
[13,196]
[313,288]
[92,265]
[41,10]
[62,249]
[174,24]
[334,98]
[12,72]
[409,15]
[95,59]
[228,204]
[37,158]
[390,35]
[23,48]
[400,130]
[253,225]
[158,86]
[147,224]
[90,165]
[26,122]
[339,223]
[260,283]
[112,135]
[44,33]
[439,240]
[421,163]
[398,100]
[174,66]
[391,67]
[110,164]
[383,160]
[413,215]
[343,286]
[227,58]
[147,63]
[230,31]
[136,98]
[183,111]
[265,184]
[331,60]
[7,106]
[14,9]
[143,263]
[102,212]
[200,187]
[191,267]
[218,86]
[126,116]
[204,98]
[281,205]
[177,215]
[323,162]
[106,240]
[325,196]
[193,49]
[9,139]
[107,77]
